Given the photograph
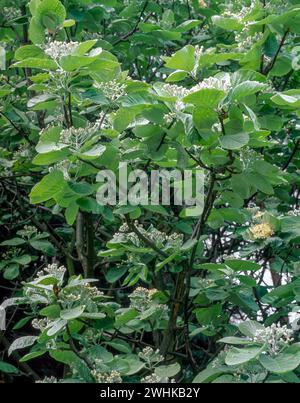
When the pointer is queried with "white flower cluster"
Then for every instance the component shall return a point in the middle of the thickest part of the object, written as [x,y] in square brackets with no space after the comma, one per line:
[84,293]
[76,137]
[149,355]
[170,117]
[11,13]
[220,83]
[142,299]
[40,324]
[178,92]
[113,90]
[250,372]
[93,291]
[57,49]
[232,12]
[28,231]
[199,50]
[107,377]
[124,235]
[245,40]
[48,379]
[295,212]
[161,239]
[103,122]
[275,336]
[276,6]
[249,156]
[53,270]
[296,58]
[153,378]
[12,252]
[22,152]
[205,283]
[261,231]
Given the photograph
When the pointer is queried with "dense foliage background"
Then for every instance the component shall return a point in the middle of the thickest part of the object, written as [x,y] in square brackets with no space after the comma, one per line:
[91,84]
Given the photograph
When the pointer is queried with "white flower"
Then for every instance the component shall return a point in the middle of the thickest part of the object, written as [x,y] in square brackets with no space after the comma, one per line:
[262,231]
[142,299]
[76,137]
[48,379]
[275,337]
[295,212]
[53,270]
[11,13]
[149,355]
[112,90]
[153,378]
[219,83]
[107,377]
[40,324]
[296,58]
[57,49]
[170,117]
[161,239]
[178,92]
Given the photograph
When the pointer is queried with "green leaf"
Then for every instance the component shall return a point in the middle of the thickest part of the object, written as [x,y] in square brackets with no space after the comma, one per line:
[176,76]
[207,375]
[84,47]
[29,52]
[69,314]
[11,272]
[207,97]
[71,213]
[167,371]
[183,59]
[187,25]
[246,88]
[125,317]
[56,327]
[71,359]
[35,63]
[13,242]
[23,260]
[260,182]
[115,273]
[291,225]
[32,355]
[21,342]
[204,118]
[281,363]
[242,265]
[230,24]
[50,14]
[207,59]
[44,246]
[234,340]
[8,368]
[289,98]
[238,356]
[94,152]
[234,141]
[250,327]
[47,188]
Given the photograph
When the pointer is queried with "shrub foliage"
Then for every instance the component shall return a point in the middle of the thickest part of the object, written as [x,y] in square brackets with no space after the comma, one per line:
[150,293]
